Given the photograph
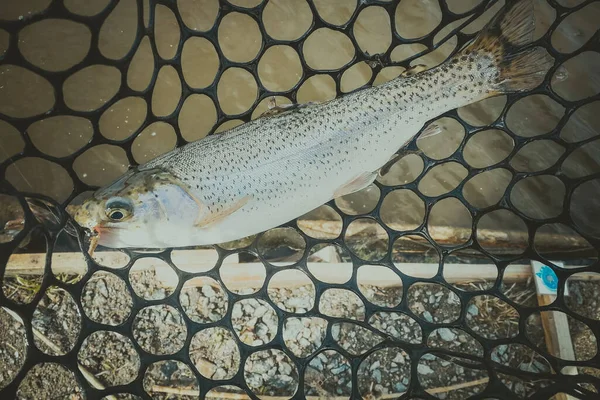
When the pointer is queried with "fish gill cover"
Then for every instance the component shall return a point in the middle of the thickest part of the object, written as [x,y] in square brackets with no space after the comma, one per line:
[366,296]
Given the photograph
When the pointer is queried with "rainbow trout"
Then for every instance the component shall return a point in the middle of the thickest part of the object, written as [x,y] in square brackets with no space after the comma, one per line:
[269,171]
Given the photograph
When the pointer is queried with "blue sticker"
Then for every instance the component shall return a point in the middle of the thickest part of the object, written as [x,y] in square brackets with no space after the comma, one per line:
[548,277]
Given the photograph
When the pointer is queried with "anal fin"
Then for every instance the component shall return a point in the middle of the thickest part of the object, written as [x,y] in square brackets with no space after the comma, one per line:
[360,182]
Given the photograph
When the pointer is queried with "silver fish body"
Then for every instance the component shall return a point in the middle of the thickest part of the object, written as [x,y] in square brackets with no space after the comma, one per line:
[271,170]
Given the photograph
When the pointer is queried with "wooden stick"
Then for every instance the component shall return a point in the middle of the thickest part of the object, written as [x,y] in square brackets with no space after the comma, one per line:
[557,334]
[458,386]
[74,263]
[187,391]
[251,275]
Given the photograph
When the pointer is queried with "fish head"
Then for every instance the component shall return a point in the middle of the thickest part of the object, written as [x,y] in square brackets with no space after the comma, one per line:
[143,209]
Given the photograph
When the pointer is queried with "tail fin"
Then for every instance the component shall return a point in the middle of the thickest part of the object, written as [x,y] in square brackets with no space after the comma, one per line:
[503,39]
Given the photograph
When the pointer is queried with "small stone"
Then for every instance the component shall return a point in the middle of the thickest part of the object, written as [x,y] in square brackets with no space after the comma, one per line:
[424,369]
[446,335]
[428,317]
[375,365]
[251,322]
[502,349]
[102,288]
[473,310]
[237,311]
[399,388]
[220,373]
[339,370]
[285,368]
[208,291]
[255,380]
[432,299]
[399,359]
[428,357]
[528,367]
[377,375]
[262,331]
[335,331]
[317,364]
[260,311]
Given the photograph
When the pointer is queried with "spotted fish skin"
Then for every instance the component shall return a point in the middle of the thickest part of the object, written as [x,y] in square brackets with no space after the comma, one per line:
[271,170]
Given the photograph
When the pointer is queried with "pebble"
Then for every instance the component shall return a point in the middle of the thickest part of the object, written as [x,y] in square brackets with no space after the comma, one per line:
[262,331]
[293,328]
[399,388]
[424,369]
[237,311]
[428,317]
[339,370]
[317,364]
[377,375]
[208,291]
[285,368]
[428,357]
[102,288]
[446,335]
[306,332]
[335,331]
[255,380]
[399,359]
[473,310]
[260,311]
[528,367]
[502,349]
[375,365]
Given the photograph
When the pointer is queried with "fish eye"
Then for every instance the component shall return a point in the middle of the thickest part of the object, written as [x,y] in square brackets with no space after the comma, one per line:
[116,215]
[117,209]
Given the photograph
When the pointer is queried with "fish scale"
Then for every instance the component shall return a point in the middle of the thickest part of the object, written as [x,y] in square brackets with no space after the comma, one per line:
[276,168]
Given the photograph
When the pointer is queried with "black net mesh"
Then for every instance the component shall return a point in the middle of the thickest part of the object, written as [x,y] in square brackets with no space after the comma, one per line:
[419,286]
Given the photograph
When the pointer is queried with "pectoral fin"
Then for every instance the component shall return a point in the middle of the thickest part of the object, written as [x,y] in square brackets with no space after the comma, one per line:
[356,184]
[217,216]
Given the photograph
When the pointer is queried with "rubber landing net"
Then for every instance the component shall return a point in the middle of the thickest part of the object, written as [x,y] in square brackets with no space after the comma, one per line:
[468,271]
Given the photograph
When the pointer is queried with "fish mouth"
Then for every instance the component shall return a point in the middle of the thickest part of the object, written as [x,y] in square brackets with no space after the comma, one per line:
[94,238]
